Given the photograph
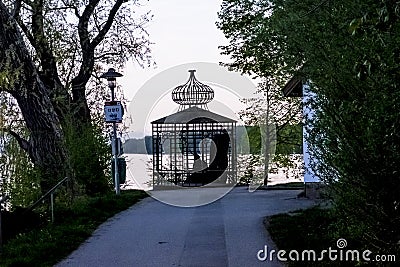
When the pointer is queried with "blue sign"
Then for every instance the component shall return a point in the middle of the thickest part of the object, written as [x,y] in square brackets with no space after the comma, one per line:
[113,111]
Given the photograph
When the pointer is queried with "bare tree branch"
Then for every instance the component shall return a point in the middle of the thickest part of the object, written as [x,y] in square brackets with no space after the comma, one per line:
[40,42]
[83,24]
[25,30]
[100,36]
[314,8]
[17,8]
[88,47]
[16,15]
[105,55]
[24,144]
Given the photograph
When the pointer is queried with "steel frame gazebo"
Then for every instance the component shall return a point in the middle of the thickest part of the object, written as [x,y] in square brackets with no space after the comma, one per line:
[194,146]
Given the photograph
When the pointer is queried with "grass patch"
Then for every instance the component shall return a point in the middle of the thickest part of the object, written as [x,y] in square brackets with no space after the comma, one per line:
[299,185]
[311,229]
[48,245]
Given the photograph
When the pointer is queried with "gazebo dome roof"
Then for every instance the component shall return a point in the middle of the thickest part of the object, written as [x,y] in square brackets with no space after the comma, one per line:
[193,115]
[193,92]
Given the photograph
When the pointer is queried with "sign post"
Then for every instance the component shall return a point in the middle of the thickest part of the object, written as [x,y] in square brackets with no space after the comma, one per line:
[113,112]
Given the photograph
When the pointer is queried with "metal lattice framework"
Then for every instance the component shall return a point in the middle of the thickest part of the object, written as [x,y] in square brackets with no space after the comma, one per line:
[193,146]
[193,93]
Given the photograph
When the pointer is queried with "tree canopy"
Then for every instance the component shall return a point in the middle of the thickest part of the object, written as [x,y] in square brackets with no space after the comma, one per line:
[349,53]
[51,55]
[244,24]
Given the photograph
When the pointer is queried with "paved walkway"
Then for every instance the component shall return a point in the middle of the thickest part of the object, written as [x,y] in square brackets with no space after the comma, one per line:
[227,232]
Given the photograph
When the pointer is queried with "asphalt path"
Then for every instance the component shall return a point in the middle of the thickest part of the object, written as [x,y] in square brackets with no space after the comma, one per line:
[227,232]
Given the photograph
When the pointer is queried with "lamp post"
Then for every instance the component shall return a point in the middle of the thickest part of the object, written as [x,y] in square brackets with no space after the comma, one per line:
[111,76]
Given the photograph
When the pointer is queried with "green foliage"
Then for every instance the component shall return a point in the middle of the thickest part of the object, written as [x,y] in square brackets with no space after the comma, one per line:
[50,244]
[21,180]
[249,169]
[311,229]
[89,157]
[50,80]
[270,110]
[254,135]
[302,229]
[289,139]
[349,51]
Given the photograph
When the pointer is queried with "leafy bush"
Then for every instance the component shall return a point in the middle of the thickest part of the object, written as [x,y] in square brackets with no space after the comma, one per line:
[311,229]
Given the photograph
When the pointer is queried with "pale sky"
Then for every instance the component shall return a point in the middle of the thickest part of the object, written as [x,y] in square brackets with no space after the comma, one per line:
[183,31]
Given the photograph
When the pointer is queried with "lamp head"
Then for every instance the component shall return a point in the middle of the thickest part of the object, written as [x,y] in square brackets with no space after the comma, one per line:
[111,76]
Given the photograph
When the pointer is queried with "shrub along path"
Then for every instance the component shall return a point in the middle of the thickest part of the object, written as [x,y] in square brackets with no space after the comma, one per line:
[227,232]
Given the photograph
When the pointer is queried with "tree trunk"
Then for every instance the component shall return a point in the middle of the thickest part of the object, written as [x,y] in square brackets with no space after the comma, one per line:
[61,137]
[20,78]
[267,140]
[266,155]
[79,102]
[46,146]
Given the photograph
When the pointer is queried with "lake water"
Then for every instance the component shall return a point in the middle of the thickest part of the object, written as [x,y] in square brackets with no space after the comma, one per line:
[139,173]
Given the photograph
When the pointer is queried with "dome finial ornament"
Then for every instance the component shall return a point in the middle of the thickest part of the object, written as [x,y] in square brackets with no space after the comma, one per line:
[192,93]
